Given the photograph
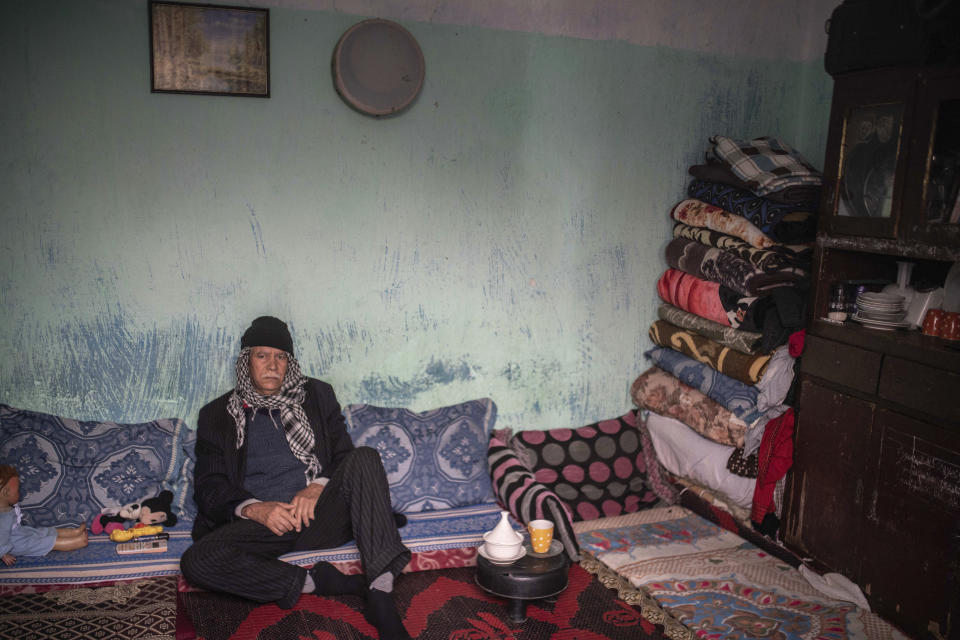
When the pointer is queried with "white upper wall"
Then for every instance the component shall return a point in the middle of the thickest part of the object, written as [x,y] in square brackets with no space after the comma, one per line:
[778,29]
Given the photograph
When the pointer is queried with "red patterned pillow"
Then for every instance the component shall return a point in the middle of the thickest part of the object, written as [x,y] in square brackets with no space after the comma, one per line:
[599,469]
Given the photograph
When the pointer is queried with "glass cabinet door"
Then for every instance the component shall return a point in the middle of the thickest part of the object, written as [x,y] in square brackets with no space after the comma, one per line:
[872,137]
[866,159]
[934,182]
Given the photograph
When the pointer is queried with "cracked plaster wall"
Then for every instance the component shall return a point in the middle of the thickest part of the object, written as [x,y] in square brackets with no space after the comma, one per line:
[502,238]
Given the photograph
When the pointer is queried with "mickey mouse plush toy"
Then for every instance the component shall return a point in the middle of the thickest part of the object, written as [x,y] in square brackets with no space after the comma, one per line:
[156,510]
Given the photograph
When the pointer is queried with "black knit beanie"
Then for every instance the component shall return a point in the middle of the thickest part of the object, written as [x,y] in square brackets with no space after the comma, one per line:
[267,331]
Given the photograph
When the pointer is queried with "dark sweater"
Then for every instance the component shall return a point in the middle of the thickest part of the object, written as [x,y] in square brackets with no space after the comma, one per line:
[273,472]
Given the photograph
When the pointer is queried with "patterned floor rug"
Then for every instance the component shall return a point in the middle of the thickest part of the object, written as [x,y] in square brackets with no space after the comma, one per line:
[138,610]
[444,604]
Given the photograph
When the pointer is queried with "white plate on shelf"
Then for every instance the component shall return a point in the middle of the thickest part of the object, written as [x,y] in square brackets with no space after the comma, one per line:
[897,316]
[879,308]
[881,298]
[882,325]
[503,561]
[874,303]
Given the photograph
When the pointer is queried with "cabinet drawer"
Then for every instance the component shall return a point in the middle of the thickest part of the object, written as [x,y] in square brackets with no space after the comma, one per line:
[918,386]
[841,363]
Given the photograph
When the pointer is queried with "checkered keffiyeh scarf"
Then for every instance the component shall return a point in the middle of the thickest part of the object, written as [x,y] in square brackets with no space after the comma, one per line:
[765,164]
[289,401]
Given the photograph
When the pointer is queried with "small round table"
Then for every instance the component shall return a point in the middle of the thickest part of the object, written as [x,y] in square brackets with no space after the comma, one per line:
[532,577]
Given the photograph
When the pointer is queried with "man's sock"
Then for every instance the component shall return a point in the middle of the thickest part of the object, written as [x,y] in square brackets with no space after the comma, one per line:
[383,582]
[382,613]
[328,581]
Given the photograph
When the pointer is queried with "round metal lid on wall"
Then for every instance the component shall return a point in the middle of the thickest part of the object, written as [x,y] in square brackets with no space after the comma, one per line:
[378,67]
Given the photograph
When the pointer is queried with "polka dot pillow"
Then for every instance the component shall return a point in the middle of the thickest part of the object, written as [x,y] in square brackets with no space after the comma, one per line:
[598,469]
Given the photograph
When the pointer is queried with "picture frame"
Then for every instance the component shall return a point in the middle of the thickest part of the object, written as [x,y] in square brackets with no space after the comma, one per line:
[209,49]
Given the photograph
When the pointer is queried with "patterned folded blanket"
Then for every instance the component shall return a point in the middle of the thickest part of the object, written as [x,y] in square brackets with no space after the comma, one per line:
[806,196]
[779,259]
[743,341]
[699,297]
[658,391]
[707,299]
[736,396]
[784,222]
[763,213]
[746,368]
[775,315]
[765,164]
[717,265]
[697,213]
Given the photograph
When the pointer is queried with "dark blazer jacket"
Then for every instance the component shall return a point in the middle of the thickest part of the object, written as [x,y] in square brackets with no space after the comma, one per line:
[220,466]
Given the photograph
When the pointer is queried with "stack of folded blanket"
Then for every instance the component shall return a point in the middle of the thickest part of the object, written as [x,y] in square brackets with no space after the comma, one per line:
[729,330]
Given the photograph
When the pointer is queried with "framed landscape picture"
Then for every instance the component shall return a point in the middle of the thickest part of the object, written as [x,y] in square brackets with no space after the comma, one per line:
[209,49]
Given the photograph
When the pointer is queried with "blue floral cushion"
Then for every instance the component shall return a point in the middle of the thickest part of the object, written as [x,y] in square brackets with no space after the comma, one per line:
[436,459]
[70,470]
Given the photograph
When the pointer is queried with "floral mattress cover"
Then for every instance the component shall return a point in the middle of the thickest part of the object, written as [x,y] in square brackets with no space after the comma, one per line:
[438,539]
[717,584]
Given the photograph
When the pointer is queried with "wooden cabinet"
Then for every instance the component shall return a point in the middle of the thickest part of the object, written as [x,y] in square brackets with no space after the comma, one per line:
[874,492]
[875,488]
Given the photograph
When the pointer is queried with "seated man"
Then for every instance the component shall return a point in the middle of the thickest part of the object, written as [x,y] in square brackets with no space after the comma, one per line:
[276,472]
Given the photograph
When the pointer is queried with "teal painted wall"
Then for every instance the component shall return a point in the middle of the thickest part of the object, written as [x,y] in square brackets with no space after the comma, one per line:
[502,238]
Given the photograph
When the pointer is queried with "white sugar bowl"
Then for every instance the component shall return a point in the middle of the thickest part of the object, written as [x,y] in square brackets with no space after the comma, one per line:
[502,542]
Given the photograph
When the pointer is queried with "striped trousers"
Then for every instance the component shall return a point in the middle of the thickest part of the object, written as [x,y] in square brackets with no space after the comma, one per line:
[241,557]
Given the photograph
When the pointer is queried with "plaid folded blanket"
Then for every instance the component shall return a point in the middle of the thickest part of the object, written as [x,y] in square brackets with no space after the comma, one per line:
[765,164]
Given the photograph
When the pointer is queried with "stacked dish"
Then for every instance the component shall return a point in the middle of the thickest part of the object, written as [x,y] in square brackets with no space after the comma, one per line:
[884,311]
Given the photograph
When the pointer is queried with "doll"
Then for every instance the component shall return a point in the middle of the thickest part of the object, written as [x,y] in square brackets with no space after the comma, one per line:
[19,540]
[152,511]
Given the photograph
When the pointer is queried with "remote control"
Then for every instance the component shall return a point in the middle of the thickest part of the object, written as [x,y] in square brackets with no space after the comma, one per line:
[142,546]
